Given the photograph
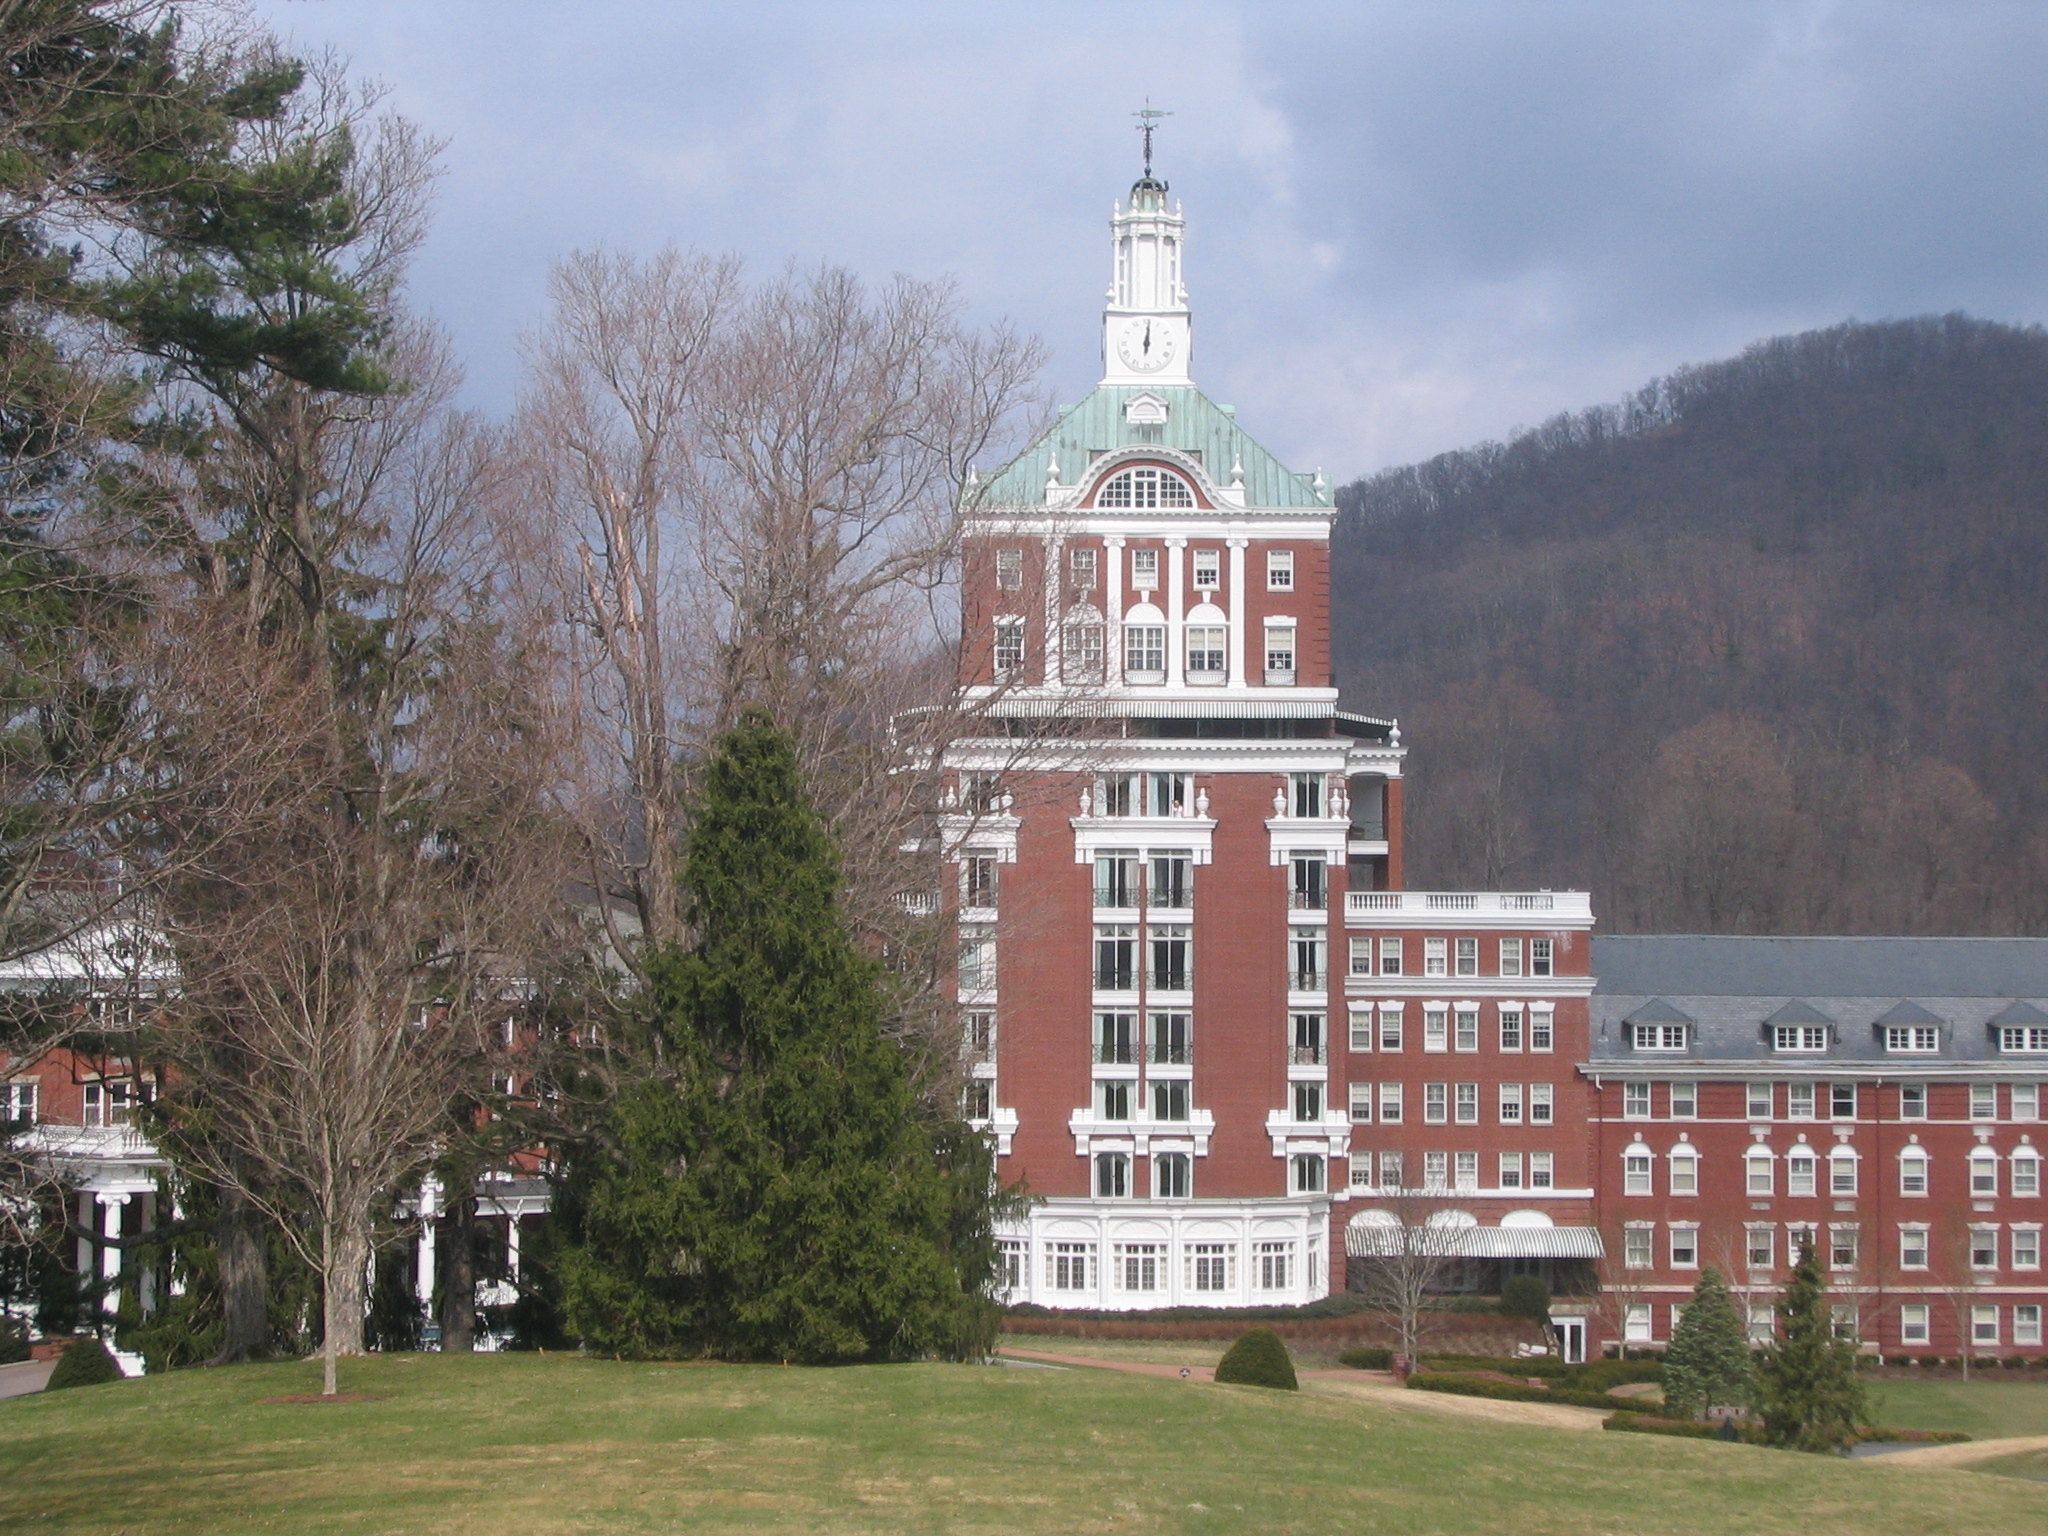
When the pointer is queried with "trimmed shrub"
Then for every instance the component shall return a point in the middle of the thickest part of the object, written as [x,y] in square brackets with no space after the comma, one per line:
[1258,1359]
[1367,1359]
[85,1363]
[1912,1436]
[1460,1385]
[13,1340]
[1646,1424]
[1525,1296]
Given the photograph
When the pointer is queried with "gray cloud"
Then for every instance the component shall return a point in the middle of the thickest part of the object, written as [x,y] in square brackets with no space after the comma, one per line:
[1411,225]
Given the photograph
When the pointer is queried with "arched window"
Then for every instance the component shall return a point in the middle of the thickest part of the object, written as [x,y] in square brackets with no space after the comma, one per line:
[1983,1172]
[1761,1178]
[1685,1169]
[1146,487]
[1913,1170]
[1842,1171]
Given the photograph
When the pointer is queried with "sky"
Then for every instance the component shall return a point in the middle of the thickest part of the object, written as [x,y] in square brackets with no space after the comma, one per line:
[1411,227]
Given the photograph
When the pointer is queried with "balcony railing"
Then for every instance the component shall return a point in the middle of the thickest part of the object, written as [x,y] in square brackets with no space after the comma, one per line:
[1119,896]
[1491,903]
[1307,901]
[1116,1053]
[1169,978]
[1307,981]
[1118,979]
[1305,1056]
[1178,897]
[1167,1053]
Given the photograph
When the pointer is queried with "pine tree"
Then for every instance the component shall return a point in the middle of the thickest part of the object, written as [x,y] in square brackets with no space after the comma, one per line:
[1808,1393]
[778,1193]
[1708,1363]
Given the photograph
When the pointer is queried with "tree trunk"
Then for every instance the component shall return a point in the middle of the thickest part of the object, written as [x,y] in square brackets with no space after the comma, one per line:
[458,1275]
[346,1255]
[244,1281]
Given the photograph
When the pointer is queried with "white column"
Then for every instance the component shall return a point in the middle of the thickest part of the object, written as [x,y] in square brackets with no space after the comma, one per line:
[512,1244]
[424,1260]
[1054,548]
[1113,608]
[111,1206]
[1237,612]
[1176,637]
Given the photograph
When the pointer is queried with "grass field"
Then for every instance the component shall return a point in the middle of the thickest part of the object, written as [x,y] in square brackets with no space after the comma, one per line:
[538,1445]
[1984,1410]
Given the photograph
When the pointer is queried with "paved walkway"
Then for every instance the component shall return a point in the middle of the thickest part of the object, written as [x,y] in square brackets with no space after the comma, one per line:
[24,1377]
[1376,1387]
[1965,1453]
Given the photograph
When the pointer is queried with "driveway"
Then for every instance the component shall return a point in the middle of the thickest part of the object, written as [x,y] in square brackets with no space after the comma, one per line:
[24,1377]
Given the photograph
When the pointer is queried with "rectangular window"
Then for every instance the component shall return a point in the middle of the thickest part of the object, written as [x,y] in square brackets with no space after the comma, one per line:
[1759,1101]
[1116,957]
[1685,1172]
[1390,957]
[1361,957]
[1391,1175]
[1116,1038]
[1436,1027]
[2027,1038]
[1390,1103]
[1468,1103]
[1799,1101]
[1067,1265]
[1081,565]
[1636,1178]
[1276,1266]
[1539,1104]
[1913,1101]
[1913,1172]
[1308,794]
[1842,1245]
[1983,1101]
[1113,1100]
[1171,957]
[1436,1102]
[1145,570]
[2026,1323]
[1983,1325]
[1842,1101]
[1799,1037]
[1112,1175]
[1685,1248]
[1511,1170]
[1361,1170]
[1305,953]
[1308,1102]
[1082,653]
[2026,1101]
[1541,1032]
[1984,1172]
[1685,1103]
[1172,1175]
[18,1106]
[1009,646]
[1308,1039]
[1173,1039]
[1468,957]
[1636,1247]
[2025,1172]
[1510,1029]
[1658,1037]
[1361,1103]
[1010,1263]
[1539,956]
[1308,888]
[1912,1247]
[1761,1240]
[2026,1247]
[1145,652]
[1983,1247]
[1279,570]
[1436,957]
[1842,1320]
[1170,1100]
[977,1100]
[977,961]
[978,881]
[1279,653]
[1511,957]
[1390,1026]
[1761,1173]
[1540,1170]
[1913,1327]
[1510,1103]
[1912,1039]
[1208,569]
[1009,569]
[1799,1172]
[1635,1101]
[1205,653]
[1635,1323]
[1210,1266]
[1361,1030]
[1842,1172]
[1466,1022]
[1167,796]
[1466,1175]
[1137,1266]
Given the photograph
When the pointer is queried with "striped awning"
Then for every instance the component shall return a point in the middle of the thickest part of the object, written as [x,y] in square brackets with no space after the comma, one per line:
[1476,1242]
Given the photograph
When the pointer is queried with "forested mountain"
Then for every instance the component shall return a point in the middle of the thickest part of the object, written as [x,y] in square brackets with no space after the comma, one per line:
[1760,649]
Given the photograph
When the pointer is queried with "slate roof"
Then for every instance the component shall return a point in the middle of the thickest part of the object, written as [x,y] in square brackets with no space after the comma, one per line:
[1194,424]
[1733,989]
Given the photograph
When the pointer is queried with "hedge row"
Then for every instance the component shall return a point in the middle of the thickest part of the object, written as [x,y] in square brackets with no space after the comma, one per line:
[1516,1392]
[1592,1375]
[1914,1436]
[1649,1424]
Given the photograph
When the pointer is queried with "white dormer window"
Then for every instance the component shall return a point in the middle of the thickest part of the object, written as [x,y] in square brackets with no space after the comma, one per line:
[1146,488]
[1279,570]
[1799,1038]
[2028,1037]
[1208,569]
[1659,1037]
[1912,1039]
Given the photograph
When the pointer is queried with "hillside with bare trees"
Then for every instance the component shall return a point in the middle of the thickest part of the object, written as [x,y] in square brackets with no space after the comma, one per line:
[1759,649]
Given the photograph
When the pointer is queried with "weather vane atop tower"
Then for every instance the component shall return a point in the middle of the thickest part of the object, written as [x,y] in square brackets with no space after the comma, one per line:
[1148,120]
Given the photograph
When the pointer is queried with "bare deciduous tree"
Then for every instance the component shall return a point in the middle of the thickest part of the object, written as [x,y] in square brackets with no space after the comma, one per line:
[1410,1247]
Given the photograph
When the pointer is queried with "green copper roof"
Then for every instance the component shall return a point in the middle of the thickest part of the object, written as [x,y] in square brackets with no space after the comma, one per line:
[1194,424]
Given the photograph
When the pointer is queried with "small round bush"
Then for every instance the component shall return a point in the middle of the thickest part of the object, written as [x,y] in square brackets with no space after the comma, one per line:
[1258,1359]
[85,1363]
[1525,1296]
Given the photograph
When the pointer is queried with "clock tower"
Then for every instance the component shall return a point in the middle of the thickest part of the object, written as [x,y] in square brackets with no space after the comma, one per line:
[1145,329]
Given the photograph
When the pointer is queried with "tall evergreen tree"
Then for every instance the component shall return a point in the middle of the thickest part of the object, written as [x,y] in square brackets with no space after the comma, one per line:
[1808,1393]
[775,1191]
[1708,1363]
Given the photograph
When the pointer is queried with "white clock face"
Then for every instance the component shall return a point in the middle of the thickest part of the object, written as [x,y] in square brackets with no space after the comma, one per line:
[1145,345]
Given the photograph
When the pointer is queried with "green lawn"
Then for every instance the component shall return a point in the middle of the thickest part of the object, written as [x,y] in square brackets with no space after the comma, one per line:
[1984,1410]
[540,1445]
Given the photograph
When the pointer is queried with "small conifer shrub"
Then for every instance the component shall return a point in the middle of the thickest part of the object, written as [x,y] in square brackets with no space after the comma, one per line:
[1258,1359]
[85,1363]
[1526,1296]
